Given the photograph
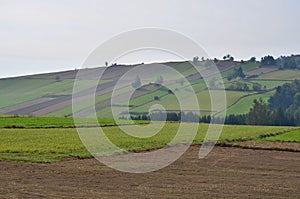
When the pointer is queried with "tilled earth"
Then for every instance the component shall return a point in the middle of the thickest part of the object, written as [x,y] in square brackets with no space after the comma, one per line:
[226,173]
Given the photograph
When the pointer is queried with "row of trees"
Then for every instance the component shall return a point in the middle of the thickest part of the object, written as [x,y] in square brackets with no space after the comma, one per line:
[187,117]
[261,114]
[167,116]
[239,86]
[288,62]
[283,62]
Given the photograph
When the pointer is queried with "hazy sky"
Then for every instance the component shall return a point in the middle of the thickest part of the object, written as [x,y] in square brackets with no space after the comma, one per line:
[40,36]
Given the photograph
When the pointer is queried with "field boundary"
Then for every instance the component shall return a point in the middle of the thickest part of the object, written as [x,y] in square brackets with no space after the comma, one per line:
[241,146]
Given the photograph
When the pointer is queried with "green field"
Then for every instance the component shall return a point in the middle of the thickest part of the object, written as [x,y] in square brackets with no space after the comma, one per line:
[281,75]
[169,101]
[293,136]
[14,91]
[185,68]
[47,122]
[48,145]
[243,106]
[269,83]
[18,90]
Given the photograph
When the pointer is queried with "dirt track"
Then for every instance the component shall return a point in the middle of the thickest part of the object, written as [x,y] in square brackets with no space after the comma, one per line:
[226,172]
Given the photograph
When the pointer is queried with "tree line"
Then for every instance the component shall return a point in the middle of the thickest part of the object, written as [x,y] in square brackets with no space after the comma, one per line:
[282,62]
[186,117]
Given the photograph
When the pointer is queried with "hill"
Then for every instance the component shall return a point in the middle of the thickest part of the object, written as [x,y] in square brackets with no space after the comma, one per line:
[51,94]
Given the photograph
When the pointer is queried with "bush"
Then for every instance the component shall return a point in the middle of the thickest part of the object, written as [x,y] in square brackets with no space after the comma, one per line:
[170,91]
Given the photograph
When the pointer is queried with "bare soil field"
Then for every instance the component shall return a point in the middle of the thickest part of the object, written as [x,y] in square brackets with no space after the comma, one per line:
[263,70]
[16,107]
[227,172]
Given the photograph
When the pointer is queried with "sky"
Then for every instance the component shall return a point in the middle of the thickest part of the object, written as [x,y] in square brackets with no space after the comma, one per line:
[55,35]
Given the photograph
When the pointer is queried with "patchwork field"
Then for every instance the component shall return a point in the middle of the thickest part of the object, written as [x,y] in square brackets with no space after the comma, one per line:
[281,75]
[51,94]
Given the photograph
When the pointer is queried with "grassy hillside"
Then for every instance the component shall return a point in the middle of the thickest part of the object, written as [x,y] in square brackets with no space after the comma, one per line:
[281,75]
[50,94]
[19,90]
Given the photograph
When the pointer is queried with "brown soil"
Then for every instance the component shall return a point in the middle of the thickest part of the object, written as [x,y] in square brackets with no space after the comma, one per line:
[270,145]
[225,173]
[263,70]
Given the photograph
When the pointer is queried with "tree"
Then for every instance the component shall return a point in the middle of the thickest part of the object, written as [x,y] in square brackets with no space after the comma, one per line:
[172,117]
[277,117]
[284,95]
[240,73]
[297,117]
[228,57]
[256,86]
[137,83]
[245,87]
[268,61]
[216,60]
[189,117]
[236,119]
[253,59]
[296,99]
[259,113]
[286,98]
[196,61]
[289,62]
[239,86]
[158,115]
[237,73]
[170,92]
